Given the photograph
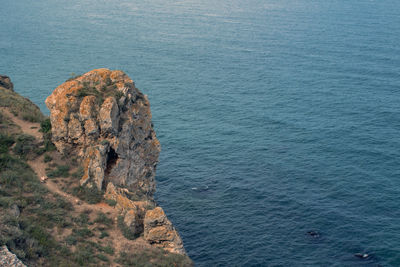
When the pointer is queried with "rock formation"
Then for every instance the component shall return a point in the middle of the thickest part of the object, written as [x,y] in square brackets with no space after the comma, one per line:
[159,230]
[6,83]
[102,118]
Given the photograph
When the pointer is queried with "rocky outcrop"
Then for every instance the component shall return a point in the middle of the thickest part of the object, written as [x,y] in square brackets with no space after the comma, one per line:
[158,230]
[104,119]
[8,259]
[6,83]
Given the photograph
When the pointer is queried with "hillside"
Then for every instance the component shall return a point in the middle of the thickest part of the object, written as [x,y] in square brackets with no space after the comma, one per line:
[48,217]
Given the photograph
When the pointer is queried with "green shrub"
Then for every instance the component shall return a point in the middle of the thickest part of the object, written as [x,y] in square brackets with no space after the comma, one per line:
[6,141]
[103,234]
[90,195]
[45,126]
[24,145]
[47,158]
[111,202]
[60,171]
[83,232]
[103,219]
[102,257]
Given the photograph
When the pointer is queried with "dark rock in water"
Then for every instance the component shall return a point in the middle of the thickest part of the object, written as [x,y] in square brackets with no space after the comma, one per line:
[6,83]
[314,234]
[361,255]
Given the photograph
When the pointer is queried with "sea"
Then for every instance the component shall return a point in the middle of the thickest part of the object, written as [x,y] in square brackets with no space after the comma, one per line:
[279,120]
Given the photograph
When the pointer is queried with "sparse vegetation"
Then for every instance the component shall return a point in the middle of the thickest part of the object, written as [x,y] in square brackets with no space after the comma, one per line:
[103,219]
[59,171]
[47,158]
[20,106]
[90,195]
[78,173]
[125,230]
[107,90]
[45,128]
[157,257]
[25,145]
[6,142]
[111,202]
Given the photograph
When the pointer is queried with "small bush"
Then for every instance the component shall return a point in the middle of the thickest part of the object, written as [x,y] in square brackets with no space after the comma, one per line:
[83,232]
[60,171]
[47,158]
[111,202]
[45,126]
[6,141]
[103,234]
[102,257]
[24,145]
[90,195]
[103,219]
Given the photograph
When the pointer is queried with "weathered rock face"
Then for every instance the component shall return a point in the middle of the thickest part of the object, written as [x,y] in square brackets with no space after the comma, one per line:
[158,230]
[6,83]
[104,119]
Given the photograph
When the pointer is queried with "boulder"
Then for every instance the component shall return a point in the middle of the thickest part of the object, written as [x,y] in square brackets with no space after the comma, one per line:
[159,231]
[6,83]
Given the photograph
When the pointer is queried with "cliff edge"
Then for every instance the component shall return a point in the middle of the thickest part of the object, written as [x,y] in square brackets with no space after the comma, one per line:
[76,189]
[104,120]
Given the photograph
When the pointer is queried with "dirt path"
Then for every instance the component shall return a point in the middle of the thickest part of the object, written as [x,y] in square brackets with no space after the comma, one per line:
[30,128]
[39,167]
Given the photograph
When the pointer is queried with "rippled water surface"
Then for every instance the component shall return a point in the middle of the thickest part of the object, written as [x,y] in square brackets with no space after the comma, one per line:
[275,117]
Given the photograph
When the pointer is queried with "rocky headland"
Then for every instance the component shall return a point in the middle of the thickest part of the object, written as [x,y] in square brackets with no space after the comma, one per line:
[98,151]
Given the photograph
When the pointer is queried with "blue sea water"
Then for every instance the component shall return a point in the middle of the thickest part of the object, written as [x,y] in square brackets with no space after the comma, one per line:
[276,117]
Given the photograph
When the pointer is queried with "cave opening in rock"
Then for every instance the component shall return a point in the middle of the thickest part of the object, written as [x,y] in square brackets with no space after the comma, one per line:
[112,158]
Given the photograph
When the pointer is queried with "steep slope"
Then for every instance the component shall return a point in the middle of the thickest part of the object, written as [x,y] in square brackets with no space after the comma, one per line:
[58,222]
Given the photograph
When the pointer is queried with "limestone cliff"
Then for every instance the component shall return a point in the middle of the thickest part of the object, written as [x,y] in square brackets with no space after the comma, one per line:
[102,118]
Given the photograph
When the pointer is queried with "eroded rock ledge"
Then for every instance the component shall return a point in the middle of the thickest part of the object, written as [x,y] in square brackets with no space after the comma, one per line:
[102,118]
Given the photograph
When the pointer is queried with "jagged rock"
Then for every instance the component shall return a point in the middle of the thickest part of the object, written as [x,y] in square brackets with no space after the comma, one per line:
[158,230]
[104,119]
[6,83]
[8,259]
